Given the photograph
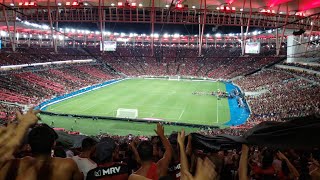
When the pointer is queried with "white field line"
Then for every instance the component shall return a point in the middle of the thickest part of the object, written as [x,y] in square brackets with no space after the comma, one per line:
[70,101]
[153,106]
[217,106]
[181,114]
[217,111]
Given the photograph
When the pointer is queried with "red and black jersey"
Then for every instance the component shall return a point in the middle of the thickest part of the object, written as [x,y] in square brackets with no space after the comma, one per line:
[109,171]
[174,170]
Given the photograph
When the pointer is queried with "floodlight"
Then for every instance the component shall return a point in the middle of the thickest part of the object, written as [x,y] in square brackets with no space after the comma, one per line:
[179,6]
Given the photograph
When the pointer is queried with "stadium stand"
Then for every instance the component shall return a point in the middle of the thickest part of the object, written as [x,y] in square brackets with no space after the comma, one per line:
[269,71]
[136,61]
[272,94]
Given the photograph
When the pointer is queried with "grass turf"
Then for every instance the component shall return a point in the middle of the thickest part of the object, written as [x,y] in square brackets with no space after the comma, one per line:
[162,99]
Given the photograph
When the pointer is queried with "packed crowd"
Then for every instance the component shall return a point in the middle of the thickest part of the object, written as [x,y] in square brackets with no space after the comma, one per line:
[28,55]
[279,95]
[32,87]
[304,74]
[7,113]
[178,156]
[214,63]
[276,85]
[314,67]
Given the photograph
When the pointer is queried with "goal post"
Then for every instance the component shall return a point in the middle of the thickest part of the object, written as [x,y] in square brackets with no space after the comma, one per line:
[174,78]
[127,113]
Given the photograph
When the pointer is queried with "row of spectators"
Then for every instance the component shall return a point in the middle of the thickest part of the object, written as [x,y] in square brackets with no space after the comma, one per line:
[305,74]
[38,55]
[315,67]
[32,88]
[35,86]
[179,156]
[279,95]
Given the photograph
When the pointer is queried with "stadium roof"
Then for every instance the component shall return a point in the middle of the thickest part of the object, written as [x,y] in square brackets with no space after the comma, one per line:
[151,16]
[308,6]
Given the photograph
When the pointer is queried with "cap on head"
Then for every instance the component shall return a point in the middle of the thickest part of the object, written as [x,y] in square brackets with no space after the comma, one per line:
[105,149]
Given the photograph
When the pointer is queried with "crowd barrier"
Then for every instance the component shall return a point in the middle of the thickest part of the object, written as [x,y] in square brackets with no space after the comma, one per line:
[127,120]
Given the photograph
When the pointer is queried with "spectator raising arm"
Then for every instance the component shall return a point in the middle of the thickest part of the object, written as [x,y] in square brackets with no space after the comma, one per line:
[292,169]
[12,135]
[243,164]
[164,162]
[183,157]
[132,146]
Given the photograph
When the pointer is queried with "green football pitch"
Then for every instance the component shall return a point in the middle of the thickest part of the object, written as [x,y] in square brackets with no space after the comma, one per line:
[171,101]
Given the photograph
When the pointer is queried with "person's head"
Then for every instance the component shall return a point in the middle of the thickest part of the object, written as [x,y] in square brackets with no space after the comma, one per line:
[145,150]
[267,159]
[42,139]
[173,141]
[88,144]
[59,152]
[105,150]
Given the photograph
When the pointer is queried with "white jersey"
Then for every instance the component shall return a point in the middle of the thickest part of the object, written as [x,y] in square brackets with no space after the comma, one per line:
[84,165]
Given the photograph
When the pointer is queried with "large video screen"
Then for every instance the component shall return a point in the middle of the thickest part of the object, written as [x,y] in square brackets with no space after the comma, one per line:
[108,46]
[252,48]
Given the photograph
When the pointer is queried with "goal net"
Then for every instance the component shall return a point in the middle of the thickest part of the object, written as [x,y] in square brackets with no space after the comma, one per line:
[127,113]
[174,78]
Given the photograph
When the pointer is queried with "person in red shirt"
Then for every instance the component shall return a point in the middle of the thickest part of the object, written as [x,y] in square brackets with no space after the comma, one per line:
[108,169]
[148,168]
